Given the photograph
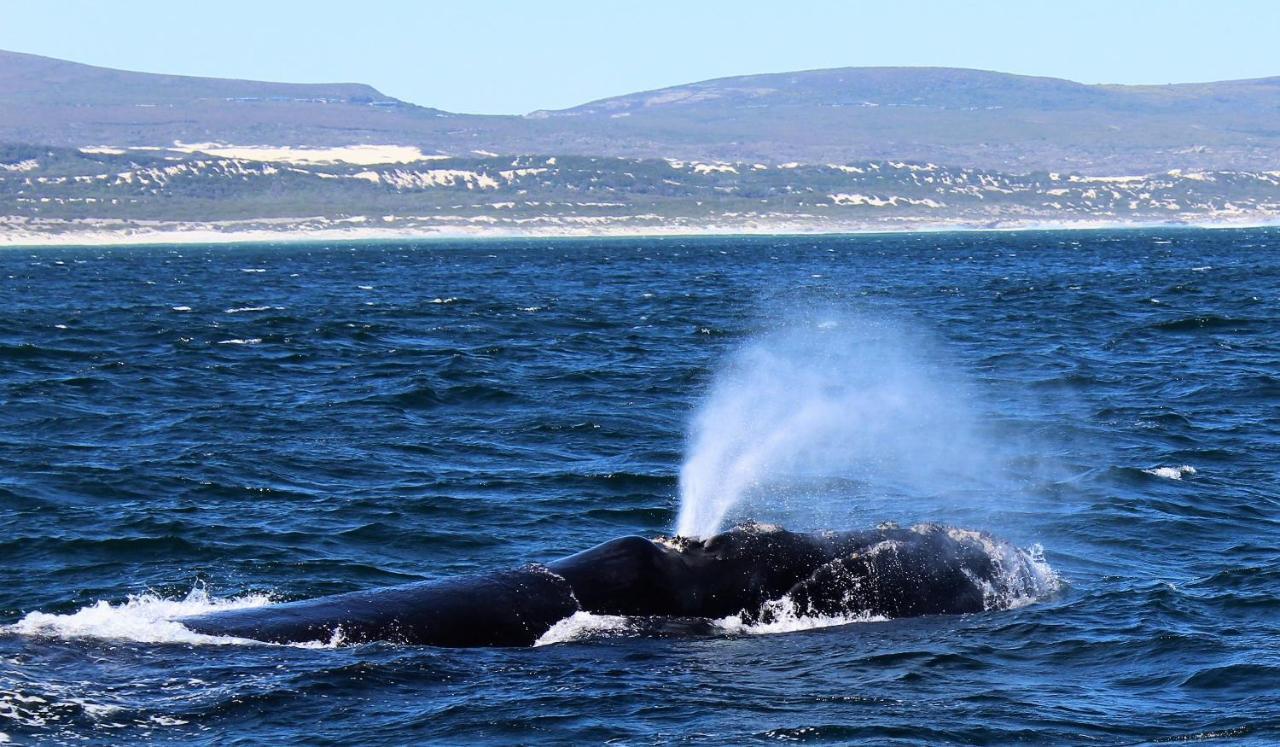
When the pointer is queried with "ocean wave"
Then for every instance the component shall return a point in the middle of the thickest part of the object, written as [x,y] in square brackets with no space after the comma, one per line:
[1201,322]
[423,396]
[630,516]
[151,618]
[1171,473]
[50,704]
[1231,676]
[251,309]
[29,351]
[142,618]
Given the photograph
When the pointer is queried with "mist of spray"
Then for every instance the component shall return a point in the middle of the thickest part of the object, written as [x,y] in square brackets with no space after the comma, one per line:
[824,418]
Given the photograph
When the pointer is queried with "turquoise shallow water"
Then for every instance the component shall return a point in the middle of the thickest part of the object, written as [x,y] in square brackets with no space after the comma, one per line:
[193,425]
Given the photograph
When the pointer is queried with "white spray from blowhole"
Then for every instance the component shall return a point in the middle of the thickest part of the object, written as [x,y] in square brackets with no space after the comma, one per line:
[831,418]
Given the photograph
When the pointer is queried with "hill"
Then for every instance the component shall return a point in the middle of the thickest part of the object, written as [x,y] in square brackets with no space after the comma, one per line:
[963,118]
[955,117]
[54,102]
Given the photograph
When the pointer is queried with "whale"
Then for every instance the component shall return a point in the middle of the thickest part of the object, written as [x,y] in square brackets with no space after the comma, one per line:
[754,572]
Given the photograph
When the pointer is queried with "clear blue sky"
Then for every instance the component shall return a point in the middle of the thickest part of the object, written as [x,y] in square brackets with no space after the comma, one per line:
[514,57]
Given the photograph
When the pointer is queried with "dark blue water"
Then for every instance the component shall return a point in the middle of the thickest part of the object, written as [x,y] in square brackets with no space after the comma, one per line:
[184,426]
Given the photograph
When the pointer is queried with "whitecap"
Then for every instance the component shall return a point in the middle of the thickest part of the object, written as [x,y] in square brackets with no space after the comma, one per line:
[238,341]
[247,309]
[1171,473]
[182,308]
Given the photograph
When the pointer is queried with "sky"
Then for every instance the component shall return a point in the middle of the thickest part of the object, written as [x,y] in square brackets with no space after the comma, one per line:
[499,57]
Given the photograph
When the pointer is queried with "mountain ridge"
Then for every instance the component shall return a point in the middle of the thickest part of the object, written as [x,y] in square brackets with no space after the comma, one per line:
[36,71]
[952,116]
[938,74]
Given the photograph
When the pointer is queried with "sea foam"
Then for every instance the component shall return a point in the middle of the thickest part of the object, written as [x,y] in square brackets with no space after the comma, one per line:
[142,618]
[581,625]
[1171,473]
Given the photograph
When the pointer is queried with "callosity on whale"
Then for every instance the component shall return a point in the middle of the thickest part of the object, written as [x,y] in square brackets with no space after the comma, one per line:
[749,571]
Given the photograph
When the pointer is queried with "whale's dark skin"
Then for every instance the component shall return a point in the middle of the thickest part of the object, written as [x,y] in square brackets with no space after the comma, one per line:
[887,571]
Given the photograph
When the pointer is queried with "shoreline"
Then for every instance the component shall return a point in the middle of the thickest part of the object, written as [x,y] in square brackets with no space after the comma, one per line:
[194,234]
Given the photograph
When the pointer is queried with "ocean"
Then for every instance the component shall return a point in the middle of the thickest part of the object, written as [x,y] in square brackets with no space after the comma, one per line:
[186,428]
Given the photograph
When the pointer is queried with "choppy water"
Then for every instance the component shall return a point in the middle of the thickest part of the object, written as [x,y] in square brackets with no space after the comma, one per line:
[286,421]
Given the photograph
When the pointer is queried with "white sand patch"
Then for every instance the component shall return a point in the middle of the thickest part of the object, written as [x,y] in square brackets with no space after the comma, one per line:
[513,174]
[874,201]
[1196,176]
[405,179]
[713,168]
[361,155]
[1108,179]
[29,164]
